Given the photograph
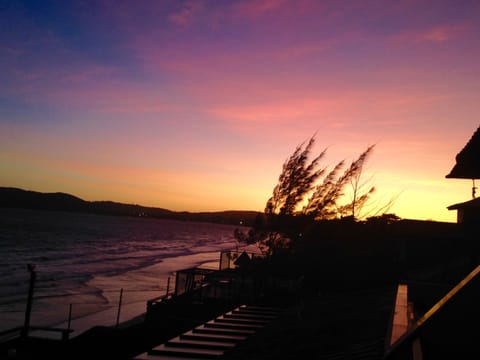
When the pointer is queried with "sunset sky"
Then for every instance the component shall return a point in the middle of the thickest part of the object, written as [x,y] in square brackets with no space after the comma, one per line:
[195,105]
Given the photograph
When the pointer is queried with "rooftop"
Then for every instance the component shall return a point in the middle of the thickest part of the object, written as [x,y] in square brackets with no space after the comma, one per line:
[474,203]
[467,160]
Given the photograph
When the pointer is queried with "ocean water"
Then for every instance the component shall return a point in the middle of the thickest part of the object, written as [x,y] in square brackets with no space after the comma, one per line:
[84,261]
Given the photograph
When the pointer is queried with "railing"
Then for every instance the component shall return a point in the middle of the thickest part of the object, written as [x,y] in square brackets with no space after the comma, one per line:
[10,334]
[20,331]
[78,315]
[192,283]
[158,300]
[232,259]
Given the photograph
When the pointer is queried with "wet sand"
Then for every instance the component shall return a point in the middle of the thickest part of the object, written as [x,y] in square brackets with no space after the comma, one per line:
[134,303]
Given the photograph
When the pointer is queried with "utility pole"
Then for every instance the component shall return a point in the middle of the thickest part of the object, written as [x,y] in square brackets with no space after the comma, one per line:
[28,310]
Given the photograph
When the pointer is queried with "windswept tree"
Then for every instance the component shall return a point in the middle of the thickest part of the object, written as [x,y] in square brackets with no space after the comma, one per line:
[307,191]
[304,187]
[360,190]
[296,181]
[335,204]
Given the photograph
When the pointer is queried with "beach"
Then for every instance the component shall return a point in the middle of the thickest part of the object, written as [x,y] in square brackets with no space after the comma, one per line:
[83,261]
[136,301]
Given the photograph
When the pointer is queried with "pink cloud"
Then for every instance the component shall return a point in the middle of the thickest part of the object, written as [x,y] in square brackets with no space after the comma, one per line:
[436,34]
[88,73]
[158,60]
[256,8]
[137,107]
[90,86]
[187,14]
[378,110]
[193,59]
[299,50]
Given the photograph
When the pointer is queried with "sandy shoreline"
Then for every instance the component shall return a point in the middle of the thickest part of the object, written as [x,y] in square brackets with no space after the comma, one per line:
[134,301]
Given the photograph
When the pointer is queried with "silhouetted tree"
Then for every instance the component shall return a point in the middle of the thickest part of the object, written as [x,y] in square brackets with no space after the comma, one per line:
[298,185]
[360,191]
[306,193]
[296,180]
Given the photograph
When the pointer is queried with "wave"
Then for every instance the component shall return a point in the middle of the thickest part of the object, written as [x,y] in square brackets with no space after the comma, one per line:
[87,259]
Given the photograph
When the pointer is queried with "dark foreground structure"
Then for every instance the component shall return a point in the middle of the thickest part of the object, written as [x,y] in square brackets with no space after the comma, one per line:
[402,290]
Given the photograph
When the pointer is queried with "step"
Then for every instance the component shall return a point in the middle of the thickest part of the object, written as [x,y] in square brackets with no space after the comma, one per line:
[238,314]
[190,335]
[199,344]
[235,332]
[218,325]
[224,320]
[185,352]
[256,313]
[259,307]
[259,310]
[146,356]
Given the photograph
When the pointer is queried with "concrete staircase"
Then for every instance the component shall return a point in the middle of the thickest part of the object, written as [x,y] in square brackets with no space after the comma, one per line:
[215,337]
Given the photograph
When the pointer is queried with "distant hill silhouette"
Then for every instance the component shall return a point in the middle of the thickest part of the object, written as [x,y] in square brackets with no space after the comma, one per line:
[19,198]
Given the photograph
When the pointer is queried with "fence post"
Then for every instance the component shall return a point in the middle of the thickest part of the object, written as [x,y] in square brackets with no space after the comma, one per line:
[168,285]
[119,306]
[28,310]
[69,316]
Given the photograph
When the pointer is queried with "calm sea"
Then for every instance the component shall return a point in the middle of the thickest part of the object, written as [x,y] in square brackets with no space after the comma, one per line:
[84,261]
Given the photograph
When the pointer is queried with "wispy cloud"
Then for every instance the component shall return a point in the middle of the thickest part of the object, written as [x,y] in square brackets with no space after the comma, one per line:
[435,34]
[256,8]
[373,111]
[187,14]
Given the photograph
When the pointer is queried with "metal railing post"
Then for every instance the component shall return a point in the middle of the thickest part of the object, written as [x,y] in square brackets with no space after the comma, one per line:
[119,306]
[28,310]
[69,316]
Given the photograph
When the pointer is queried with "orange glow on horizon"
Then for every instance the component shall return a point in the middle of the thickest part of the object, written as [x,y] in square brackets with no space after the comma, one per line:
[195,106]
